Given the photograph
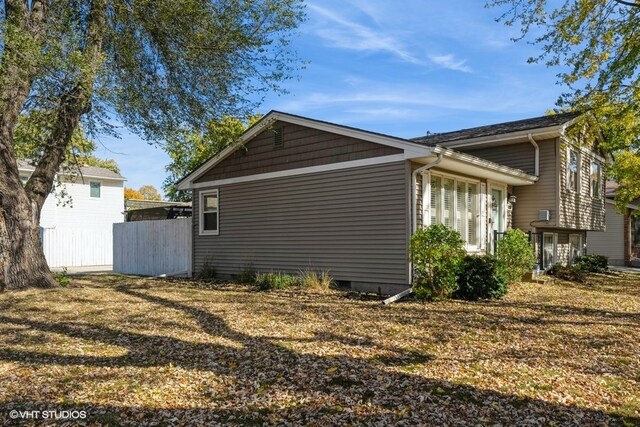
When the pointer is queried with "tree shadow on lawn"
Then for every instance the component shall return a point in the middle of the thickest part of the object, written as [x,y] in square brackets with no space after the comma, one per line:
[273,384]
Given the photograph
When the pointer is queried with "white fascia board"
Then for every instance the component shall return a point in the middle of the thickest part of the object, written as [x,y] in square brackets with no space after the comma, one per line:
[411,149]
[299,171]
[477,161]
[551,131]
[108,178]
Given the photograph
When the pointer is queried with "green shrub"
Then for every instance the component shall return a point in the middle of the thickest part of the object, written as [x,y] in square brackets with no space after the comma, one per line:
[276,280]
[570,274]
[436,253]
[321,280]
[592,263]
[481,277]
[516,254]
[62,277]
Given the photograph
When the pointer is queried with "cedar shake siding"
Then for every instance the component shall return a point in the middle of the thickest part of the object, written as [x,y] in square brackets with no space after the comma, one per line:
[579,210]
[300,147]
[353,222]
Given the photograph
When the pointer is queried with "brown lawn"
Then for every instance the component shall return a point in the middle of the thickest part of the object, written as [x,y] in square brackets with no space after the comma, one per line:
[131,351]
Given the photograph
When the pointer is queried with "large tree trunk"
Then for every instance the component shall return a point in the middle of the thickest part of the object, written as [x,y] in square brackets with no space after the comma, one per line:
[22,261]
[21,256]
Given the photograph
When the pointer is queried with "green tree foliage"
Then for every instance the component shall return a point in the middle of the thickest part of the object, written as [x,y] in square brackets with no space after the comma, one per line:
[149,192]
[595,46]
[189,149]
[436,253]
[152,66]
[34,129]
[516,254]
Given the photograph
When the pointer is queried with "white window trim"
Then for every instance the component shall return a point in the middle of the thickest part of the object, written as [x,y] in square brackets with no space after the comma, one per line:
[100,191]
[578,169]
[600,180]
[580,245]
[201,213]
[555,249]
[426,205]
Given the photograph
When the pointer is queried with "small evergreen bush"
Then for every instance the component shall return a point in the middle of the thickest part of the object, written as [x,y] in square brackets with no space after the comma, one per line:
[277,280]
[436,253]
[516,254]
[481,277]
[570,274]
[592,263]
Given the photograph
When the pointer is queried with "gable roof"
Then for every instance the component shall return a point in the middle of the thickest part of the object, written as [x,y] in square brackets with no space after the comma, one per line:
[85,171]
[535,123]
[410,148]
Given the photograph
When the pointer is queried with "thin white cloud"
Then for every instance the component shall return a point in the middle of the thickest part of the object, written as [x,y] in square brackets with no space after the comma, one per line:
[354,36]
[450,62]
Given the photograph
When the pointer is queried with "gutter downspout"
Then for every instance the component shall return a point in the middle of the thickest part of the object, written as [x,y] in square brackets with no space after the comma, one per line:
[414,216]
[537,154]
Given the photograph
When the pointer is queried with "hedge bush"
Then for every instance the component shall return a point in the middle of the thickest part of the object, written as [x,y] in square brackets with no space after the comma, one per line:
[436,253]
[481,277]
[516,254]
[592,263]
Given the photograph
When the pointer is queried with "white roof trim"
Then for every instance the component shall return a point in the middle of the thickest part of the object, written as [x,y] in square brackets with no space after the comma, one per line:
[550,131]
[411,149]
[84,175]
[299,171]
[476,161]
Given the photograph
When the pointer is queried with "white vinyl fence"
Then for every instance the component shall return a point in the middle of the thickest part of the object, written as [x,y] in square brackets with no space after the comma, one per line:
[77,247]
[152,248]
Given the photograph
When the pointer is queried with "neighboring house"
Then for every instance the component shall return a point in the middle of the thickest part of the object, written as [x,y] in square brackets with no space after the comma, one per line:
[77,226]
[567,199]
[148,210]
[620,242]
[303,193]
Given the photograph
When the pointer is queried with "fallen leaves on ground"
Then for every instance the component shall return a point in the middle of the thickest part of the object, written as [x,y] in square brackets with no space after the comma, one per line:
[133,351]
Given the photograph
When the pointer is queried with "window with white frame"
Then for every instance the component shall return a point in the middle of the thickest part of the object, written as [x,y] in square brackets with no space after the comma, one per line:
[209,212]
[573,169]
[596,180]
[454,203]
[575,247]
[94,189]
[549,245]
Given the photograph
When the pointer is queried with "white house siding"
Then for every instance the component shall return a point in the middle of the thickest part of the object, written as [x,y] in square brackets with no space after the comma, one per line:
[80,232]
[611,241]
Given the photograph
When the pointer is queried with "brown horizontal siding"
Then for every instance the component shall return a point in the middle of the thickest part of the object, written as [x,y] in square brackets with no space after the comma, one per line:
[518,156]
[542,195]
[352,222]
[578,210]
[302,147]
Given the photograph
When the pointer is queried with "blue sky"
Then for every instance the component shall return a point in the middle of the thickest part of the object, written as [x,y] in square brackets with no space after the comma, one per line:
[400,68]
